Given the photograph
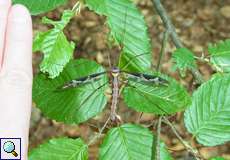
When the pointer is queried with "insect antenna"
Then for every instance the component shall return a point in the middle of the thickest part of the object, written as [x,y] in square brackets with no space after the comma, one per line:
[132,59]
[109,59]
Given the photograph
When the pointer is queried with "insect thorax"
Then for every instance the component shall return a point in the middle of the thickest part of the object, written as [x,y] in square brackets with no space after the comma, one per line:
[115,71]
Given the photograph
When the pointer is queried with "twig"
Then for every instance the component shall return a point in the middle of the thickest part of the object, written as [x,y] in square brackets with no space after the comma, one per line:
[77,7]
[192,150]
[99,134]
[158,144]
[139,117]
[163,46]
[202,59]
[167,23]
[175,38]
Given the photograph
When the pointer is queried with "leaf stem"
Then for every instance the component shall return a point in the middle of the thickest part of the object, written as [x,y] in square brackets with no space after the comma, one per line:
[158,147]
[186,144]
[163,46]
[98,135]
[175,38]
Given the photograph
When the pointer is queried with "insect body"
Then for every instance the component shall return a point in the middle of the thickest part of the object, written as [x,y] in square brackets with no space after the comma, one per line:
[115,80]
[115,72]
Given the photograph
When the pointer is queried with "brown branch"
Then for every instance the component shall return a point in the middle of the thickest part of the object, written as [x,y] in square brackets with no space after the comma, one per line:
[164,42]
[175,38]
[186,144]
[158,143]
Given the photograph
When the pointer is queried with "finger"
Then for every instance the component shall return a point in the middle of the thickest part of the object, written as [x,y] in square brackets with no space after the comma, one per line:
[17,65]
[16,76]
[4,9]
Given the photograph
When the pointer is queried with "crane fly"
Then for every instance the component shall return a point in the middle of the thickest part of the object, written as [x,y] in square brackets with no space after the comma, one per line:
[116,73]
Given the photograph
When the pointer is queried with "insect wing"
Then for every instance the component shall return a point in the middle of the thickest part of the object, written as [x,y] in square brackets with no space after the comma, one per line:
[146,78]
[83,80]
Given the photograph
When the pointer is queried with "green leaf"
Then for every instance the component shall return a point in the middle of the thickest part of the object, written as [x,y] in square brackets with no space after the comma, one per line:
[129,29]
[74,105]
[130,142]
[217,158]
[61,149]
[208,118]
[99,6]
[220,55]
[40,6]
[55,46]
[158,99]
[184,60]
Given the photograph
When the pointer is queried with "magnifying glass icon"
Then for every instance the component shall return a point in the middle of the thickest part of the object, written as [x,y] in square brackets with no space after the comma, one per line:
[9,147]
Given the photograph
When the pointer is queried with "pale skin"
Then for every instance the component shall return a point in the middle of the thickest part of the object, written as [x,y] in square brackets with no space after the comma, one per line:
[15,72]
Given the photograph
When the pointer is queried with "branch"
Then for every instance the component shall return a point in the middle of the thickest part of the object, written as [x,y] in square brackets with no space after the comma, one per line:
[192,150]
[163,46]
[175,38]
[167,23]
[158,143]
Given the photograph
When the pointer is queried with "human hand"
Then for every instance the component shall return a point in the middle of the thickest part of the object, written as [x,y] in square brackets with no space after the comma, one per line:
[15,72]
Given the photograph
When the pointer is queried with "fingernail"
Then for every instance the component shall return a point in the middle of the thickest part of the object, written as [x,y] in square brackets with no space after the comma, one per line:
[5,2]
[19,13]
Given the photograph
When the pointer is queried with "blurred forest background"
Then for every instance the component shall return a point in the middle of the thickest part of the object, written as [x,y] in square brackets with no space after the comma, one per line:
[198,23]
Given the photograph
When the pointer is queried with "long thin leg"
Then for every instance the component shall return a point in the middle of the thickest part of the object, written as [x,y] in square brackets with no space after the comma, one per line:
[158,107]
